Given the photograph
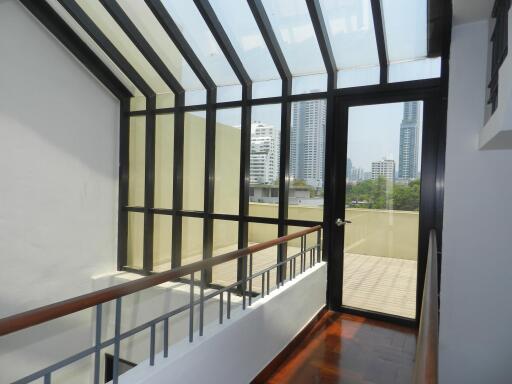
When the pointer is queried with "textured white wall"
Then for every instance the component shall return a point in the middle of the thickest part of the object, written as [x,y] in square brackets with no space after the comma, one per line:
[476,283]
[235,352]
[58,168]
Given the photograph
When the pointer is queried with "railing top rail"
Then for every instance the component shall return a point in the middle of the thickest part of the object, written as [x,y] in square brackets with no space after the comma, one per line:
[66,307]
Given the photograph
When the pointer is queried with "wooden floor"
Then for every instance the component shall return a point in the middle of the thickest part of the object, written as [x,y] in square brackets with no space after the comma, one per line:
[342,348]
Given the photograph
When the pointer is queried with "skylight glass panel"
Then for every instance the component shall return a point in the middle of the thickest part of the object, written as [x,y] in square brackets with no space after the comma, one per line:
[294,31]
[148,25]
[351,32]
[405,25]
[198,35]
[84,36]
[116,35]
[245,36]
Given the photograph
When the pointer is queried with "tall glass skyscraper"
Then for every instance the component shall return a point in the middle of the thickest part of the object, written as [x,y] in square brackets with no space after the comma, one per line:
[307,142]
[409,142]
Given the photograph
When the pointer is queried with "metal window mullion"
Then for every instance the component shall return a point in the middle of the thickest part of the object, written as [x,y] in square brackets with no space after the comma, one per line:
[149,184]
[284,172]
[245,163]
[265,27]
[124,174]
[322,36]
[378,22]
[177,198]
[209,182]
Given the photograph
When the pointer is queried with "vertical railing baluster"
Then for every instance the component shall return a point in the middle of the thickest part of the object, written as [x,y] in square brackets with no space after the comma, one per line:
[294,266]
[250,279]
[221,307]
[166,337]
[244,280]
[191,312]
[228,309]
[152,345]
[117,342]
[47,378]
[263,284]
[97,343]
[201,303]
[319,244]
[268,282]
[290,268]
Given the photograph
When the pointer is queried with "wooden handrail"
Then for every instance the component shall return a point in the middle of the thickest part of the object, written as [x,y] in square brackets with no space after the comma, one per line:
[66,307]
[425,370]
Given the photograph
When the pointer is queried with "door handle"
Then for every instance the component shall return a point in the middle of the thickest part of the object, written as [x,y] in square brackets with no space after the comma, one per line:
[340,222]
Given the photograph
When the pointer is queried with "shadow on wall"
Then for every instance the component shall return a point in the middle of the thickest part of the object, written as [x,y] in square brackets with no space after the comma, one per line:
[52,98]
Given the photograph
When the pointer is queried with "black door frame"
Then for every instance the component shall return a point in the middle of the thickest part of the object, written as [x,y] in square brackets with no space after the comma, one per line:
[431,196]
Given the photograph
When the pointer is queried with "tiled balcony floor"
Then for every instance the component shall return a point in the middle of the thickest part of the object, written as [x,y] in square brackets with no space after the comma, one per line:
[374,283]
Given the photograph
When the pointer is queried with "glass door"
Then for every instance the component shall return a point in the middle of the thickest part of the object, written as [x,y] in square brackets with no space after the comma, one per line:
[378,221]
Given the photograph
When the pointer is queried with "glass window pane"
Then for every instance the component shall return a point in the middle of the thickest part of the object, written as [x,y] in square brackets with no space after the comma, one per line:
[293,28]
[229,93]
[135,239]
[149,26]
[382,202]
[162,243]
[225,239]
[137,103]
[198,35]
[309,84]
[405,23]
[137,154]
[115,34]
[227,161]
[351,33]
[193,161]
[246,38]
[415,70]
[307,160]
[264,160]
[358,77]
[164,160]
[192,240]
[268,88]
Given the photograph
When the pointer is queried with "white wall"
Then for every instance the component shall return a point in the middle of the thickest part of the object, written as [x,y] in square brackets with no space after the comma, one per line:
[58,168]
[476,281]
[235,352]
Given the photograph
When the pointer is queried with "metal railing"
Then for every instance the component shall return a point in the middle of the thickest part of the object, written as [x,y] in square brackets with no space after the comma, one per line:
[425,370]
[243,287]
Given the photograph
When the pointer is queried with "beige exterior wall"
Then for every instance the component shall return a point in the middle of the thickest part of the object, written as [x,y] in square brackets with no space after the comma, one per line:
[372,232]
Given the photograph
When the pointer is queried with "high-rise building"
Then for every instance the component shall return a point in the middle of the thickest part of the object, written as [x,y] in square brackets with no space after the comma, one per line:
[307,142]
[409,142]
[383,168]
[265,149]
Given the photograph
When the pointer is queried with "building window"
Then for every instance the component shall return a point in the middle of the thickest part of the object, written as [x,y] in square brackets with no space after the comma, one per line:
[499,40]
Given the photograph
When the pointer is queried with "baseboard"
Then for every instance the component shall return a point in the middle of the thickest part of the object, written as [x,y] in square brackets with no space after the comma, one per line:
[267,372]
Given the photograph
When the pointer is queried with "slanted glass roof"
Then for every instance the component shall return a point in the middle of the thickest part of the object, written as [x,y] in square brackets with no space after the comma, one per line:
[198,35]
[148,25]
[405,25]
[116,35]
[293,29]
[158,65]
[246,38]
[94,47]
[351,32]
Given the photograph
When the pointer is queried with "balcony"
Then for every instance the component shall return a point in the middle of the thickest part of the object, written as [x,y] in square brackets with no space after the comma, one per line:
[380,261]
